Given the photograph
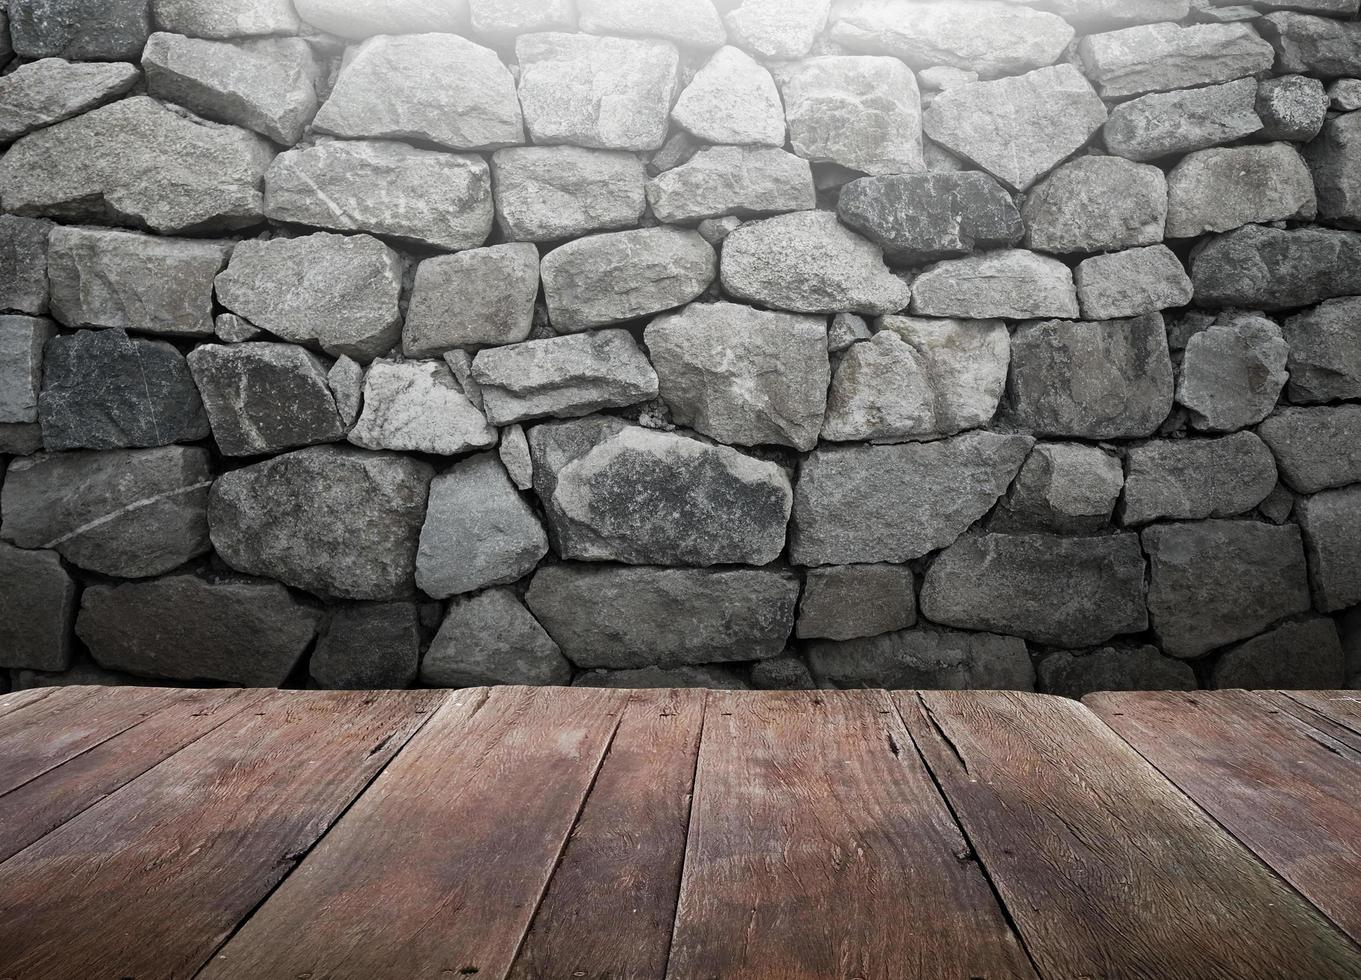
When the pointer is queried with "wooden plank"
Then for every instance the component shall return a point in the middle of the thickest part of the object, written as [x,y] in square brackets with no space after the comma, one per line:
[1336,714]
[609,909]
[1107,869]
[15,700]
[42,804]
[437,870]
[148,882]
[71,721]
[820,848]
[1278,787]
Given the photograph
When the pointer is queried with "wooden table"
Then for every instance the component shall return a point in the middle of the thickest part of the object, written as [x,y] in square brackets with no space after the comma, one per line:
[564,833]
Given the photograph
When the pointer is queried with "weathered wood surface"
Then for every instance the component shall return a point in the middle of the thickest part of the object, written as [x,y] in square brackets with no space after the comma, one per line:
[564,833]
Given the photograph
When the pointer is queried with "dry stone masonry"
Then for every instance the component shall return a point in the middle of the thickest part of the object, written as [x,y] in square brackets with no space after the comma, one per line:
[726,343]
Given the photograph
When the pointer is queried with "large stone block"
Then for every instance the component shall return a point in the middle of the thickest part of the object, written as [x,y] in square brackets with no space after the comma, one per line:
[1335,162]
[37,609]
[44,92]
[22,342]
[83,30]
[1260,268]
[1223,189]
[366,646]
[1009,283]
[1131,283]
[224,21]
[776,28]
[732,100]
[693,23]
[358,19]
[1325,352]
[1161,57]
[483,297]
[1331,523]
[1315,448]
[549,193]
[1232,373]
[1324,47]
[491,638]
[1167,123]
[842,602]
[418,406]
[1064,487]
[924,659]
[1096,204]
[23,264]
[1303,656]
[745,181]
[1191,479]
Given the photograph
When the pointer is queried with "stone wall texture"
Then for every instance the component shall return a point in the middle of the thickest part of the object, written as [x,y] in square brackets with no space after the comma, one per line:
[770,343]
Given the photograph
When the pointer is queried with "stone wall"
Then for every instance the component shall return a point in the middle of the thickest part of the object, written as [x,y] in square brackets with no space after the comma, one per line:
[966,343]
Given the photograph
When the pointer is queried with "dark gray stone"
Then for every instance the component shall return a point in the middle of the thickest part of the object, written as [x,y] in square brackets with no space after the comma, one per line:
[1075,674]
[1191,479]
[23,340]
[84,30]
[1335,162]
[1320,46]
[1325,352]
[1064,487]
[1258,268]
[1299,656]
[1315,448]
[23,264]
[366,646]
[1232,373]
[490,638]
[663,678]
[924,659]
[1331,524]
[787,673]
[37,608]
[841,602]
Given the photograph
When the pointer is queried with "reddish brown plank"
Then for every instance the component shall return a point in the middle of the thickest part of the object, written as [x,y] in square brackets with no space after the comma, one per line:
[1335,714]
[437,870]
[15,700]
[71,721]
[820,848]
[42,804]
[609,909]
[1107,869]
[148,882]
[1294,800]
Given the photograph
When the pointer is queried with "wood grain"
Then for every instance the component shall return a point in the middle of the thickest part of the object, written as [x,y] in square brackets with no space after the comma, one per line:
[147,882]
[1336,714]
[609,909]
[1109,871]
[15,700]
[820,848]
[1281,789]
[438,869]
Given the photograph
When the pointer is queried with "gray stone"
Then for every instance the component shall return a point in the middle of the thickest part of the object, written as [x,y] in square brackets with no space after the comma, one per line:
[1331,523]
[6,51]
[776,28]
[922,217]
[358,19]
[1215,582]
[20,438]
[82,30]
[924,659]
[1161,57]
[1017,128]
[1191,479]
[433,88]
[367,646]
[1301,656]
[242,631]
[1325,352]
[514,453]
[346,381]
[808,262]
[842,602]
[1258,268]
[563,376]
[1009,283]
[37,608]
[44,92]
[742,376]
[140,163]
[336,292]
[1335,163]
[483,297]
[460,363]
[23,264]
[628,617]
[417,406]
[1321,46]
[643,497]
[105,390]
[232,329]
[328,519]
[787,673]
[265,397]
[505,20]
[241,18]
[624,275]
[491,638]
[1105,380]
[985,36]
[652,678]
[846,329]
[942,78]
[1096,204]
[478,530]
[693,23]
[22,341]
[126,512]
[1349,626]
[1091,16]
[733,100]
[1063,487]
[1167,123]
[443,200]
[1315,448]
[1278,505]
[604,92]
[864,504]
[1073,674]
[860,112]
[1131,283]
[1292,107]
[1232,374]
[1223,189]
[740,180]
[715,230]
[1344,95]
[548,193]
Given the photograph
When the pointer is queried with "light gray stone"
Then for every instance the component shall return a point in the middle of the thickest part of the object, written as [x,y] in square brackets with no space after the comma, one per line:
[37,609]
[1191,479]
[1009,283]
[22,341]
[514,453]
[336,292]
[880,392]
[548,193]
[1161,57]
[368,646]
[924,659]
[865,504]
[478,530]
[346,381]
[842,602]
[1214,582]
[1315,448]
[846,329]
[1131,283]
[241,18]
[1063,487]
[491,638]
[232,329]
[44,92]
[417,406]
[1259,268]
[563,376]
[1091,16]
[23,264]
[1302,656]
[693,23]
[265,397]
[1335,164]
[504,20]
[1018,128]
[742,376]
[732,100]
[1292,107]
[1223,189]
[1331,523]
[1320,46]
[82,30]
[1075,674]
[1232,374]
[653,678]
[1167,123]
[358,19]
[483,297]
[1096,204]
[609,93]
[460,362]
[132,513]
[715,230]
[742,180]
[329,519]
[184,627]
[140,163]
[628,617]
[1105,380]
[1344,95]
[808,262]
[1325,352]
[776,28]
